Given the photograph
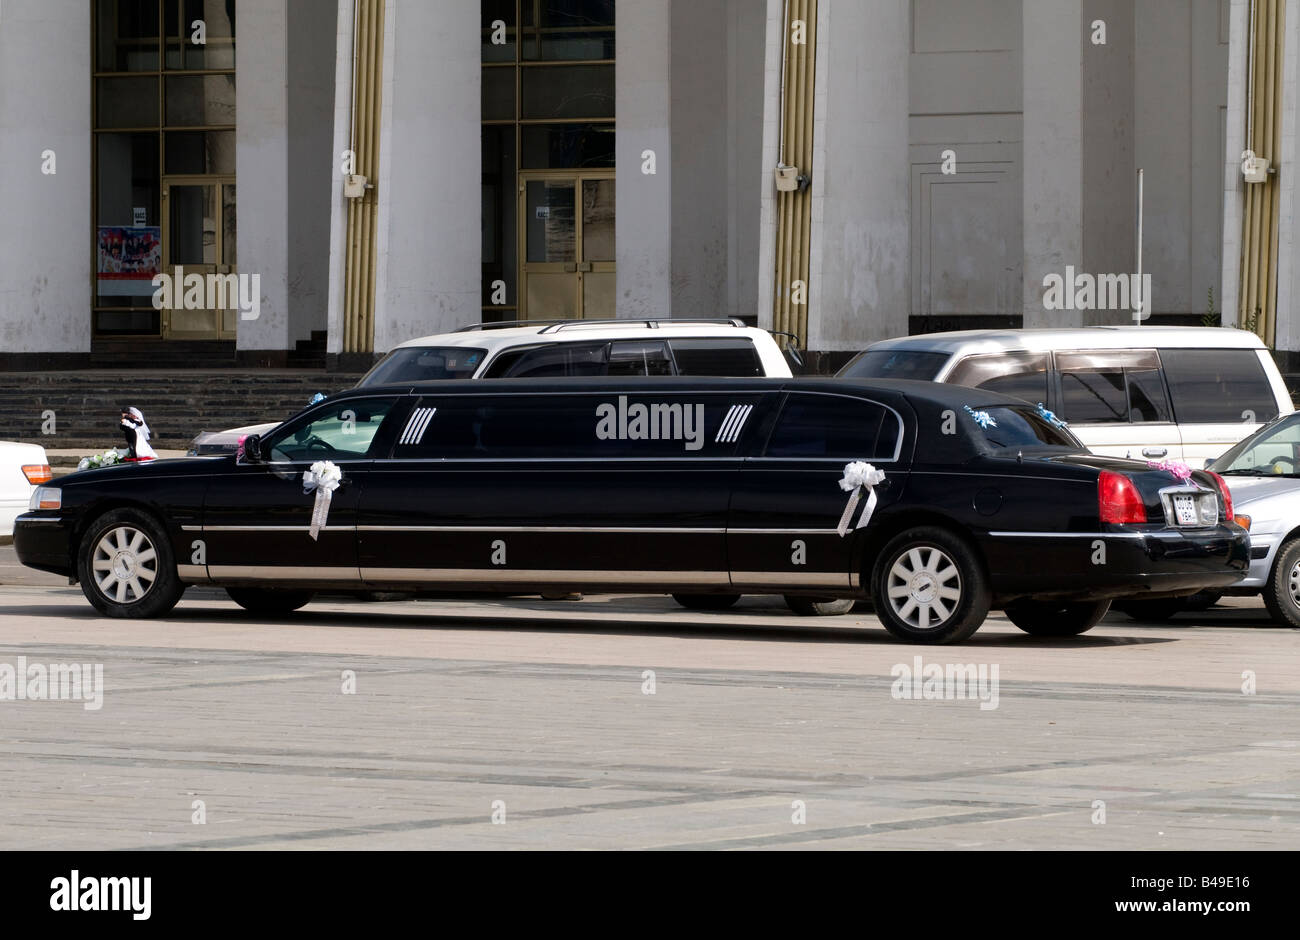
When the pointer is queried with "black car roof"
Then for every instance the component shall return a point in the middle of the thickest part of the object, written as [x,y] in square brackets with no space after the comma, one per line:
[935,393]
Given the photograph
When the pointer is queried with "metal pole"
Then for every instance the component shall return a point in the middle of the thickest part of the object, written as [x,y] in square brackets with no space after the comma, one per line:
[1139,309]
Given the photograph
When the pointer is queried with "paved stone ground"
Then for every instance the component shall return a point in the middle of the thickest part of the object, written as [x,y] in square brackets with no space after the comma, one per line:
[540,705]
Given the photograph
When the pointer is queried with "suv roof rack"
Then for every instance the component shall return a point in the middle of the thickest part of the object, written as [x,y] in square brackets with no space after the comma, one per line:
[653,324]
[553,326]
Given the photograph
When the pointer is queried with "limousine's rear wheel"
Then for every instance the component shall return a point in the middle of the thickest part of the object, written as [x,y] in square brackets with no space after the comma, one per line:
[125,566]
[1056,618]
[269,601]
[706,601]
[819,606]
[930,587]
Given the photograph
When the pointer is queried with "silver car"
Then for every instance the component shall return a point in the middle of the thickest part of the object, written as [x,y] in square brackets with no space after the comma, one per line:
[1263,475]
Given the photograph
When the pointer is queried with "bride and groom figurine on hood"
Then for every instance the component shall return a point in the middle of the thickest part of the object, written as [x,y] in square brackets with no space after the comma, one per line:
[137,436]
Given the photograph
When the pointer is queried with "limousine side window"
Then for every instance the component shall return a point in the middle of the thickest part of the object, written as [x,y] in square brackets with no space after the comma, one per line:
[1022,374]
[834,426]
[590,425]
[1218,386]
[344,430]
[1112,387]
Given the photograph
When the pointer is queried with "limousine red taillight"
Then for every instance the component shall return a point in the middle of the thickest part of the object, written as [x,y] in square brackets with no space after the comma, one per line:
[1118,499]
[1225,494]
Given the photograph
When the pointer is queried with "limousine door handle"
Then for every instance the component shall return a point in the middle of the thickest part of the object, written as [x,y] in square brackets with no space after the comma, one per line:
[1154,452]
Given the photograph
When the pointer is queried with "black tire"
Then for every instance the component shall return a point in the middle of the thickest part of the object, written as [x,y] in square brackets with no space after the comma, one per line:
[126,567]
[706,601]
[270,602]
[1056,618]
[1157,609]
[966,601]
[819,606]
[1282,591]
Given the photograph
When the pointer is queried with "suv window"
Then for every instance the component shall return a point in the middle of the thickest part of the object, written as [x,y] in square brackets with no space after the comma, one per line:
[595,425]
[555,360]
[1112,387]
[344,430]
[1022,374]
[425,363]
[834,426]
[1218,386]
[640,357]
[895,364]
[726,357]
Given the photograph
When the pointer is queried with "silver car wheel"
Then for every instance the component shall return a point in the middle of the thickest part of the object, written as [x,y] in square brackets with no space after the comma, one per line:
[1293,584]
[924,587]
[125,564]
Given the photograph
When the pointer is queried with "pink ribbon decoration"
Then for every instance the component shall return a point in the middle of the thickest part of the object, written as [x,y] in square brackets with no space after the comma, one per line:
[1180,470]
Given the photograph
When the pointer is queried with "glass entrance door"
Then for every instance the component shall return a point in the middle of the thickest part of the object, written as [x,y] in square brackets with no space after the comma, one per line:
[567,245]
[199,239]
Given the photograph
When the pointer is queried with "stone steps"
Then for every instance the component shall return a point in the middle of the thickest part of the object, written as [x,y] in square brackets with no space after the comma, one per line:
[177,405]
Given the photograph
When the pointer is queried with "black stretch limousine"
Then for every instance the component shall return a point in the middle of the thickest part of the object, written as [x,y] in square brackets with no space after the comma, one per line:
[938,501]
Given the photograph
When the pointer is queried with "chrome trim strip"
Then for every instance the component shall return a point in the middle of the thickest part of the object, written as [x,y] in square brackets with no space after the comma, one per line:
[192,572]
[545,575]
[837,579]
[1071,535]
[651,530]
[783,532]
[270,528]
[26,521]
[282,573]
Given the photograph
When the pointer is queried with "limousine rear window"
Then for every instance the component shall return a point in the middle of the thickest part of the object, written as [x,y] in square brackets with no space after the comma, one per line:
[425,363]
[1014,427]
[895,364]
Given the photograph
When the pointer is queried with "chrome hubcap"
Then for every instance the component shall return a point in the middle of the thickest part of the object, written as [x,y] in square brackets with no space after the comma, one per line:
[1293,584]
[125,564]
[924,587]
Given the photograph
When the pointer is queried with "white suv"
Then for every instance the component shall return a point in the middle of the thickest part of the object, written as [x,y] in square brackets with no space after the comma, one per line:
[1182,392]
[551,348]
[584,348]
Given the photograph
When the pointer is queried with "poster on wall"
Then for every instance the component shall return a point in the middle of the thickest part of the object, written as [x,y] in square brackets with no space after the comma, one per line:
[128,259]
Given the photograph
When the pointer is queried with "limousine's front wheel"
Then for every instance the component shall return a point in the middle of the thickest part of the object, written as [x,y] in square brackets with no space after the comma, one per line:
[930,587]
[125,566]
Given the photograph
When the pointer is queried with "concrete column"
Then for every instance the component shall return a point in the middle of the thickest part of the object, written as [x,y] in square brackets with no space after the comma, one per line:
[1053,151]
[644,202]
[45,268]
[1286,337]
[262,172]
[1109,170]
[858,289]
[430,255]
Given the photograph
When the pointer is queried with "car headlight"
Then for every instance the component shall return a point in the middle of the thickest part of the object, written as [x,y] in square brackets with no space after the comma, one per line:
[46,497]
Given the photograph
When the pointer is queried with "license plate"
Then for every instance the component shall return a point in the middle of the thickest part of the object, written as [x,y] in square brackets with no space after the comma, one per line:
[1185,510]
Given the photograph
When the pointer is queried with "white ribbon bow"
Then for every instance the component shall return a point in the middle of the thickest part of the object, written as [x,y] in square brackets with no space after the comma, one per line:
[858,475]
[324,478]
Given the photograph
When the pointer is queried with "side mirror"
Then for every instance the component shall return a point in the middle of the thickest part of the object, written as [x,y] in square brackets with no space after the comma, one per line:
[250,451]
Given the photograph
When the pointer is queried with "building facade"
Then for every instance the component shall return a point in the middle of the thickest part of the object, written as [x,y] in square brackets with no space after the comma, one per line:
[844,170]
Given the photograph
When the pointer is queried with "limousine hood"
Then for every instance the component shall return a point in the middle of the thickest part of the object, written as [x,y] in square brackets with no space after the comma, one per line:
[169,466]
